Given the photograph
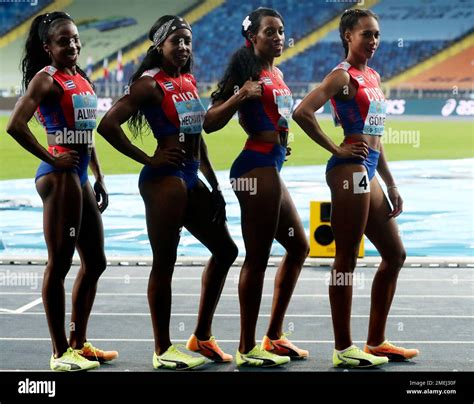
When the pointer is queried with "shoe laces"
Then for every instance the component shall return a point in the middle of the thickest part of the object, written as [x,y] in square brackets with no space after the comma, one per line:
[264,353]
[178,353]
[91,348]
[356,349]
[214,343]
[74,355]
[285,335]
[287,341]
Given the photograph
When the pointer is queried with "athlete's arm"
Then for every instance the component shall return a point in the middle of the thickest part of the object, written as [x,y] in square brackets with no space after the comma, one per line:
[142,91]
[208,172]
[332,85]
[384,171]
[110,125]
[100,191]
[393,194]
[40,86]
[220,113]
[206,166]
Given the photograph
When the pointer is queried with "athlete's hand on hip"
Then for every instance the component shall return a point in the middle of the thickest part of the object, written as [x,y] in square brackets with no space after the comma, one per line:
[397,202]
[219,206]
[69,159]
[252,89]
[351,150]
[173,156]
[101,195]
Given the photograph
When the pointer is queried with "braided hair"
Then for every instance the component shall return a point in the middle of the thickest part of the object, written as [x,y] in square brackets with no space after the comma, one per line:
[244,63]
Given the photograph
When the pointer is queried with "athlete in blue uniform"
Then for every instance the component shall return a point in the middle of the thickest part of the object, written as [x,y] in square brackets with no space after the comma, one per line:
[164,93]
[66,105]
[254,87]
[358,203]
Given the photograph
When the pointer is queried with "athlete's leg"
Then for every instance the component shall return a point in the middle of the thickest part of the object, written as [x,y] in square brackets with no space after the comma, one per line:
[165,201]
[62,205]
[90,245]
[382,231]
[216,237]
[348,219]
[260,211]
[291,235]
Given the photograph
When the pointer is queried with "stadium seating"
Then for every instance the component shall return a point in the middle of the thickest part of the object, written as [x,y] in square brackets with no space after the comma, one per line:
[217,35]
[403,43]
[13,14]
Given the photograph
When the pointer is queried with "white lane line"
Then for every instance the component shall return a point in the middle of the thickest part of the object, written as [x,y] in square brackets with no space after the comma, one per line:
[28,306]
[234,340]
[41,313]
[198,278]
[264,295]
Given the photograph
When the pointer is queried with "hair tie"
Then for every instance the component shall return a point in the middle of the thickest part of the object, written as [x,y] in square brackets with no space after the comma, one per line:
[246,23]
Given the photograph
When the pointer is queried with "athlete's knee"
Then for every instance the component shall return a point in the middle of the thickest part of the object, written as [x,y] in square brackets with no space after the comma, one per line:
[227,255]
[299,251]
[346,260]
[163,265]
[57,267]
[395,259]
[93,269]
[257,261]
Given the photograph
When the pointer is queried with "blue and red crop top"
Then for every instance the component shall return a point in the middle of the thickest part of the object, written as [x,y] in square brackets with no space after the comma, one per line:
[365,113]
[181,110]
[72,119]
[272,110]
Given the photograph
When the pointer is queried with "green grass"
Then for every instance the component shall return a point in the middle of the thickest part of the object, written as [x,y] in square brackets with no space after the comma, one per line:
[435,140]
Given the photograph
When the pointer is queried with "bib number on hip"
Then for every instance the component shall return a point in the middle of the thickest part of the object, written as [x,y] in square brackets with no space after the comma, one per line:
[361,183]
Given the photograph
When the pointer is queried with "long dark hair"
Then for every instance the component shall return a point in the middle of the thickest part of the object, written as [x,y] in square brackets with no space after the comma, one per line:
[244,63]
[35,57]
[152,59]
[349,20]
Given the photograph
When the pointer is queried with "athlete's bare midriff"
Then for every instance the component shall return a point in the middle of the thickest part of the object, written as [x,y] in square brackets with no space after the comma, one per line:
[372,141]
[189,143]
[265,136]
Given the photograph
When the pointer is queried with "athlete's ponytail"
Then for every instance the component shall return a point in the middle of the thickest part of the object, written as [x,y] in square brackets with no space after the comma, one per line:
[349,20]
[35,57]
[244,63]
[152,59]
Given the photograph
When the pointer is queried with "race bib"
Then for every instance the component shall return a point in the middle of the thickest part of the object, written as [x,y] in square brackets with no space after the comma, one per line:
[85,111]
[375,120]
[191,115]
[285,104]
[361,183]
